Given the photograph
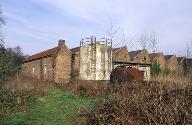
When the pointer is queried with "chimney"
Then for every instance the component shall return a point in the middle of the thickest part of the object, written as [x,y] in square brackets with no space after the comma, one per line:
[61,42]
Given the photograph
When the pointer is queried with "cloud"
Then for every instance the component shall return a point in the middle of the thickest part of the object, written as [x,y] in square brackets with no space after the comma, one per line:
[49,20]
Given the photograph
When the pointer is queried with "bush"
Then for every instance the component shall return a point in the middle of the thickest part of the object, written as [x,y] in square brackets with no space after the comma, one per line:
[87,88]
[146,103]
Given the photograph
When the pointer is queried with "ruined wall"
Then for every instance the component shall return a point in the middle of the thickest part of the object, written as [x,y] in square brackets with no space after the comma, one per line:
[95,62]
[76,61]
[121,55]
[62,67]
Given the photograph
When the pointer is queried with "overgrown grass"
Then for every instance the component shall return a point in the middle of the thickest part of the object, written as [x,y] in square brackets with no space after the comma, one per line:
[57,108]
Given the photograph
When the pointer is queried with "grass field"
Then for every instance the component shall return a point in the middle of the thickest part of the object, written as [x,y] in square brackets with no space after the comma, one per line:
[57,108]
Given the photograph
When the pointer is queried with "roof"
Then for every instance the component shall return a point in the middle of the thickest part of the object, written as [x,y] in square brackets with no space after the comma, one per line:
[45,53]
[119,48]
[133,54]
[167,57]
[75,50]
[154,55]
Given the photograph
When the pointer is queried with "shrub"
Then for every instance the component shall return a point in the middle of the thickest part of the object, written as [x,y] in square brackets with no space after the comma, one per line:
[146,103]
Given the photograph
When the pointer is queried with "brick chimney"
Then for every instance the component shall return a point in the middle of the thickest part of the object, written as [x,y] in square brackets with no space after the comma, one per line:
[61,42]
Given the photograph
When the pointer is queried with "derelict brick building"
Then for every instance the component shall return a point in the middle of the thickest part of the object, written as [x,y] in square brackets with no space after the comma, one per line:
[91,61]
[50,65]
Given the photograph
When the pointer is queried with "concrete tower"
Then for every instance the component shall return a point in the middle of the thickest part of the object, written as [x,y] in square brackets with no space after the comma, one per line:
[95,59]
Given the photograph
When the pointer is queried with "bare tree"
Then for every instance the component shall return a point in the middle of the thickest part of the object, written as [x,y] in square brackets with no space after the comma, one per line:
[189,50]
[153,42]
[143,41]
[2,22]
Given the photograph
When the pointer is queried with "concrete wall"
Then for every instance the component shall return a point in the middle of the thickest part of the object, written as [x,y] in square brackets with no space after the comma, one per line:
[95,62]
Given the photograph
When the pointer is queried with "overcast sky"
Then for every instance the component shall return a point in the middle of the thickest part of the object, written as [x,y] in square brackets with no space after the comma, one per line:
[37,25]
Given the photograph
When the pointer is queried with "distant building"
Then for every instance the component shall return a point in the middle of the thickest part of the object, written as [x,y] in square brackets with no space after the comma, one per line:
[181,65]
[160,58]
[140,56]
[136,59]
[121,54]
[50,65]
[91,61]
[171,63]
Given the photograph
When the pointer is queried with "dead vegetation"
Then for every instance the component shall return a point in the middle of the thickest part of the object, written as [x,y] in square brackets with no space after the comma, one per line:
[156,103]
[17,92]
[87,88]
[146,103]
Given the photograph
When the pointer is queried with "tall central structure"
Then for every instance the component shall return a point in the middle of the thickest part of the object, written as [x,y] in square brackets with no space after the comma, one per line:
[95,59]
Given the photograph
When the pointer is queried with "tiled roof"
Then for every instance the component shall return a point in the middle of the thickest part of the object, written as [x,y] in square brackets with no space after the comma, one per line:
[154,55]
[45,53]
[75,50]
[133,54]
